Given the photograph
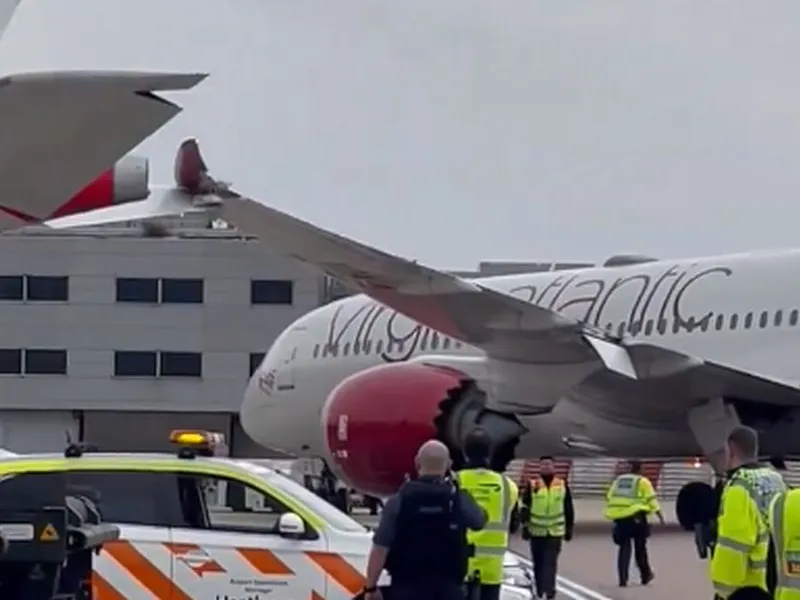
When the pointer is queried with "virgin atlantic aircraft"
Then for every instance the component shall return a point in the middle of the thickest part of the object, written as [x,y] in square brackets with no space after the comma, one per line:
[639,357]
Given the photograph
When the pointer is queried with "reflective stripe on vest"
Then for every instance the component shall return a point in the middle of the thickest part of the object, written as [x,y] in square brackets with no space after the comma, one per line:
[625,491]
[787,549]
[762,486]
[547,508]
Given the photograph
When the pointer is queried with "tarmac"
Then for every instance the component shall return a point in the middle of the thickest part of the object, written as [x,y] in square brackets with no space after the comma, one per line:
[587,565]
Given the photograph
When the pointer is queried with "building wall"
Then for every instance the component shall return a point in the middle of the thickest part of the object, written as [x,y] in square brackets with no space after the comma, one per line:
[91,325]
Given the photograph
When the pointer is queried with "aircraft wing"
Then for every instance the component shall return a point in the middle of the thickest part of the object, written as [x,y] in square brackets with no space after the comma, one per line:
[59,130]
[504,326]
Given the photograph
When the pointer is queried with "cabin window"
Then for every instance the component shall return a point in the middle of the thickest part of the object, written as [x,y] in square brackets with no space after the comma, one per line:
[720,322]
[662,326]
[748,320]
[434,341]
[778,317]
[424,342]
[648,327]
[793,317]
[704,323]
[366,347]
[676,326]
[446,343]
[356,347]
[621,329]
[379,347]
[734,321]
[325,350]
[316,350]
[763,319]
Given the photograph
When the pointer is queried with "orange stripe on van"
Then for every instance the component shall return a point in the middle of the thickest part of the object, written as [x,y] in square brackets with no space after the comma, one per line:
[145,572]
[338,569]
[102,590]
[264,561]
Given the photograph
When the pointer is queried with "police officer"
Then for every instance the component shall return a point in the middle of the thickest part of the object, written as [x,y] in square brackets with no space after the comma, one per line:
[784,525]
[421,539]
[743,553]
[549,517]
[630,499]
[497,495]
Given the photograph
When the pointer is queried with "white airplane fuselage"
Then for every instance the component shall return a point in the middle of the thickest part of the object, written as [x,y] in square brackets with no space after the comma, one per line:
[741,311]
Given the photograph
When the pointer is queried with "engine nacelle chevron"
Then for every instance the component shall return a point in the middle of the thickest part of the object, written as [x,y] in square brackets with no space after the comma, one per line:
[375,421]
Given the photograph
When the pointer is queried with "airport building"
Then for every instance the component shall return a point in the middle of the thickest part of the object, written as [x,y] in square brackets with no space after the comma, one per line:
[116,335]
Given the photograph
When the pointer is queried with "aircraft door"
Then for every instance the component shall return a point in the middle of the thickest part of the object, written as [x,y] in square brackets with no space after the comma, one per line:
[287,369]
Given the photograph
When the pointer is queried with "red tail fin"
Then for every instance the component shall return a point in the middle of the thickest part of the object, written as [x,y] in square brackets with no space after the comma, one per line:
[190,168]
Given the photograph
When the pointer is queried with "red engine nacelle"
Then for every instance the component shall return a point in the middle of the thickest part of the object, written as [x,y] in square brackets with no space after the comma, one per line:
[376,420]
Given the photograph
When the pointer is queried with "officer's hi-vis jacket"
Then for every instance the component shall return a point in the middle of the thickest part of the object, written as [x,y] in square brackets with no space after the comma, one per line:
[742,545]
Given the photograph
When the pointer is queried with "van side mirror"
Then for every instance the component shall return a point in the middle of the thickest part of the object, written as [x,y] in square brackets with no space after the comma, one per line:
[291,525]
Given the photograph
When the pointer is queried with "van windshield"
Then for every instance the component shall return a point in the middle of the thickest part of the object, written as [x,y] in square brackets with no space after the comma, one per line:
[326,511]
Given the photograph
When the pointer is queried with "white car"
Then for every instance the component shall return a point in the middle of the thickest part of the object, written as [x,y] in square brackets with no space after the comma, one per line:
[205,527]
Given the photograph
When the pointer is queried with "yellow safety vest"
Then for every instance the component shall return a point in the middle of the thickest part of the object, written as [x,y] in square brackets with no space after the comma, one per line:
[784,523]
[627,496]
[740,553]
[496,495]
[547,508]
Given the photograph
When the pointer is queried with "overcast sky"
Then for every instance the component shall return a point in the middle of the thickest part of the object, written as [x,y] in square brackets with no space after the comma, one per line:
[452,131]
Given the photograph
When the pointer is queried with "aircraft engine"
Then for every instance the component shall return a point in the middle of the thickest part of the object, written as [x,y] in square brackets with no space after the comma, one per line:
[126,181]
[375,421]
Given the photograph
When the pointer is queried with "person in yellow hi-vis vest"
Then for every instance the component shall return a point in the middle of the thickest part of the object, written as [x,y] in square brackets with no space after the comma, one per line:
[743,553]
[549,518]
[784,524]
[629,500]
[497,495]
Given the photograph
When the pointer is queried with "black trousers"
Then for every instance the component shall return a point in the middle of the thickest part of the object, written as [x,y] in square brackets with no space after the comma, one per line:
[483,592]
[544,555]
[444,591]
[631,535]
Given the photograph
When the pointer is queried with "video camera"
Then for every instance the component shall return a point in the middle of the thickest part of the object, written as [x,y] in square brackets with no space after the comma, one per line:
[50,537]
[697,507]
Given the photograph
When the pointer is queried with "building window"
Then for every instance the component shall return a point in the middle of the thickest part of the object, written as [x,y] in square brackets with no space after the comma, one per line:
[181,364]
[47,288]
[45,362]
[271,291]
[10,361]
[11,287]
[135,363]
[182,291]
[137,289]
[255,361]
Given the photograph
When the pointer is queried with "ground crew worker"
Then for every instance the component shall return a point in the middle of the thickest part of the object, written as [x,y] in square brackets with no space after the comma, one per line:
[630,499]
[784,524]
[421,539]
[743,554]
[548,517]
[497,495]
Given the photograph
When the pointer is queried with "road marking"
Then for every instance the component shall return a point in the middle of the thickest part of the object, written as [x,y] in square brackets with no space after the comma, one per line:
[569,588]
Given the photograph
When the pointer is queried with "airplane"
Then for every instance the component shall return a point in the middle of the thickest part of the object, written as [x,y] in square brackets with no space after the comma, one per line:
[62,131]
[638,357]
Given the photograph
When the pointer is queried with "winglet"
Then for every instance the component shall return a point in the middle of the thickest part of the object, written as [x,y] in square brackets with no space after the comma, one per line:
[614,357]
[191,171]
